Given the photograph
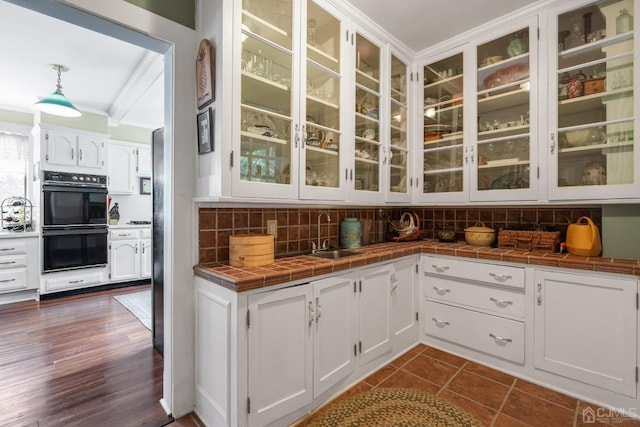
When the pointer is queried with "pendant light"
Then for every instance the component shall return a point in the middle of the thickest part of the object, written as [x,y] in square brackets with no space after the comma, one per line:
[57,103]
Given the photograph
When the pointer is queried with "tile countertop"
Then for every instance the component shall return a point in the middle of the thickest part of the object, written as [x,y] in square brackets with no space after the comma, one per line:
[291,268]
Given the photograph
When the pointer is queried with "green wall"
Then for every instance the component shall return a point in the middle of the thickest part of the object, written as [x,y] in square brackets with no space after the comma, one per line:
[621,231]
[130,134]
[88,121]
[15,117]
[181,11]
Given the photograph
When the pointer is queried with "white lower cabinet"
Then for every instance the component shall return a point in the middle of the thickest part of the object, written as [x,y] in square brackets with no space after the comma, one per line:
[302,344]
[586,329]
[476,305]
[18,264]
[73,279]
[130,254]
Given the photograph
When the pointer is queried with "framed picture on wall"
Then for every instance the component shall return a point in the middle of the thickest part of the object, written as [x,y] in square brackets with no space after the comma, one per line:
[205,73]
[205,131]
[145,185]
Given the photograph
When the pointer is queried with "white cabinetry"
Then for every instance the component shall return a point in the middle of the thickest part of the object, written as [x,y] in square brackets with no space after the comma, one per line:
[70,150]
[490,297]
[143,161]
[374,309]
[404,301]
[122,162]
[592,123]
[18,264]
[586,329]
[130,254]
[300,344]
[73,279]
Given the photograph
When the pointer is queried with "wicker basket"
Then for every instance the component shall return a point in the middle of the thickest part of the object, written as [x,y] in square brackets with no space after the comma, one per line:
[528,240]
[408,228]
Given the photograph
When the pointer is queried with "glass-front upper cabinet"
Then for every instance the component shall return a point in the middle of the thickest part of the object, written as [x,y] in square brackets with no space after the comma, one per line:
[443,152]
[323,143]
[368,155]
[592,150]
[266,99]
[398,158]
[503,160]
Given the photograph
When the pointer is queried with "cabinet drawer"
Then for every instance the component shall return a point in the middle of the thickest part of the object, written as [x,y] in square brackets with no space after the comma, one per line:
[13,279]
[13,261]
[67,281]
[504,301]
[12,246]
[124,234]
[472,270]
[493,335]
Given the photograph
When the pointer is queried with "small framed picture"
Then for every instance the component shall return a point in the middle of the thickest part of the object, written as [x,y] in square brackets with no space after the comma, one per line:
[205,131]
[205,73]
[145,185]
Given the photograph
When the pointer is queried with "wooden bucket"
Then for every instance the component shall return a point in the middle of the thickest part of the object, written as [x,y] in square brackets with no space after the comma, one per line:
[247,250]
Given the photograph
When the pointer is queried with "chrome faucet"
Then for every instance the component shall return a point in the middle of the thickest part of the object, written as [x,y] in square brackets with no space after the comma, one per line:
[325,244]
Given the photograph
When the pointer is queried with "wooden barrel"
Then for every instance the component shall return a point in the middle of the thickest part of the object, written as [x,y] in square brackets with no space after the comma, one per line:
[246,250]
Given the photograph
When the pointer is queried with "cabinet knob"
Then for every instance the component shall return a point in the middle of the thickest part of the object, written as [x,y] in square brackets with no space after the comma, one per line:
[501,303]
[441,291]
[440,268]
[500,277]
[440,323]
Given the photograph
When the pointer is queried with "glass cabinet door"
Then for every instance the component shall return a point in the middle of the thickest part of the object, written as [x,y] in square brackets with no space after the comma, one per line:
[322,122]
[443,139]
[398,147]
[592,152]
[266,111]
[502,159]
[367,152]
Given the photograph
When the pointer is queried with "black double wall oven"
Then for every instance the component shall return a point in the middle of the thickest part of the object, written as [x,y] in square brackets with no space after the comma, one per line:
[74,221]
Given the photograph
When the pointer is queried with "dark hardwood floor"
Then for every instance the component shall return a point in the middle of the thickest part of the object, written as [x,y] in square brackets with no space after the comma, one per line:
[83,360]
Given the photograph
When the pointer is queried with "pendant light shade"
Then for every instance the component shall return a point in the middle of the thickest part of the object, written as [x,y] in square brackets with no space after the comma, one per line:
[57,103]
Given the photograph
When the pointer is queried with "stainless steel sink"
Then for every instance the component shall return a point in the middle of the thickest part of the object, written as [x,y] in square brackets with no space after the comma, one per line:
[335,254]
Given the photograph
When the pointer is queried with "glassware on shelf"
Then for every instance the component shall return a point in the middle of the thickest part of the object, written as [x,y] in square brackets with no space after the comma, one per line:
[576,35]
[624,22]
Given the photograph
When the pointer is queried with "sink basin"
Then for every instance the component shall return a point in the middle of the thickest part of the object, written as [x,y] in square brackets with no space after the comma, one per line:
[335,254]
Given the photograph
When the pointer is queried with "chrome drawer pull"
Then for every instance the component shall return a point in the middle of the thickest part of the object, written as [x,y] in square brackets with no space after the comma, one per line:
[7,280]
[311,316]
[501,303]
[501,339]
[440,268]
[7,249]
[501,277]
[440,323]
[76,281]
[318,309]
[441,291]
[7,262]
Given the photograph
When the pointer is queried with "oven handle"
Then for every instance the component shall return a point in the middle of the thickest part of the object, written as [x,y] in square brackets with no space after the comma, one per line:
[75,188]
[69,231]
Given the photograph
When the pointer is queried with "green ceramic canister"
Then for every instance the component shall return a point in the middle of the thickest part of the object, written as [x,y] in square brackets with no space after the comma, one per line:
[350,232]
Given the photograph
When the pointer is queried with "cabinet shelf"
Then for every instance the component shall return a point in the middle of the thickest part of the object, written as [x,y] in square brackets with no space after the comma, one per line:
[502,163]
[368,118]
[365,79]
[502,101]
[258,91]
[515,131]
[595,47]
[263,138]
[441,171]
[323,102]
[400,167]
[369,161]
[398,94]
[591,102]
[590,148]
[453,84]
[368,141]
[396,128]
[484,72]
[321,57]
[321,150]
[439,107]
[265,24]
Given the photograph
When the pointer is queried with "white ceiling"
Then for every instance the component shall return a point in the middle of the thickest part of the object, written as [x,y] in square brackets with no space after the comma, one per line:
[106,76]
[423,23]
[111,77]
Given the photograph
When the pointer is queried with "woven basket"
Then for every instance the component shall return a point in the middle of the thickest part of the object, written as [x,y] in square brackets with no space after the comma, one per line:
[529,240]
[407,228]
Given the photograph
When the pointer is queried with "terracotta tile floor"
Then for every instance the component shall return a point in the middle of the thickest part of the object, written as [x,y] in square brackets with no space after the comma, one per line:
[492,397]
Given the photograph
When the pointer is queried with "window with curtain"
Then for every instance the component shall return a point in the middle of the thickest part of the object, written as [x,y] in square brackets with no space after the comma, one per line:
[14,160]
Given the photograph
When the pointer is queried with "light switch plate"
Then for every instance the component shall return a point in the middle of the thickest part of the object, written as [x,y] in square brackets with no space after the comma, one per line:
[272,227]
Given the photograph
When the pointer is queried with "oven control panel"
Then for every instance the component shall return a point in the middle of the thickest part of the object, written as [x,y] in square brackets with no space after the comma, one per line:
[76,179]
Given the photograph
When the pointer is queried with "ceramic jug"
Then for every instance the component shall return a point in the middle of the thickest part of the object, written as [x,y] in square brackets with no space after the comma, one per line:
[583,238]
[350,233]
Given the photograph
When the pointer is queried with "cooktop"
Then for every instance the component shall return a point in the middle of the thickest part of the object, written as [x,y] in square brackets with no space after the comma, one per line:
[139,222]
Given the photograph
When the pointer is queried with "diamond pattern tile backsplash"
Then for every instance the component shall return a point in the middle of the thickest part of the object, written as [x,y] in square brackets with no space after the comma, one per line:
[298,226]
